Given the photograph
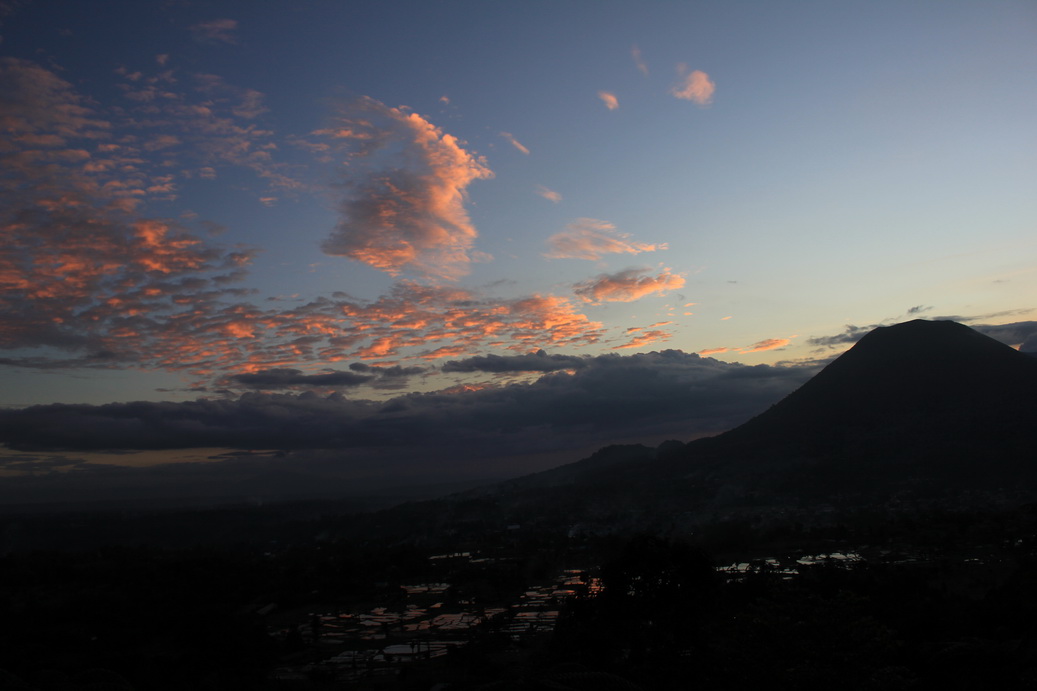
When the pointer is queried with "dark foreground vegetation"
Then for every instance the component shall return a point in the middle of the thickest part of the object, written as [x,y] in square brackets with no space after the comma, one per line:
[935,600]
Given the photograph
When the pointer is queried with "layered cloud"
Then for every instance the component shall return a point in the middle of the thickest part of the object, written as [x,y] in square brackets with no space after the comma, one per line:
[406,183]
[598,400]
[627,286]
[538,361]
[85,272]
[693,85]
[590,238]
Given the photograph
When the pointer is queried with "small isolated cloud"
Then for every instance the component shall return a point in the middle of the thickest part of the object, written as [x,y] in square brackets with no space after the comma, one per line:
[627,286]
[514,142]
[766,344]
[590,238]
[405,192]
[548,194]
[609,99]
[694,86]
[713,351]
[646,338]
[635,53]
[215,31]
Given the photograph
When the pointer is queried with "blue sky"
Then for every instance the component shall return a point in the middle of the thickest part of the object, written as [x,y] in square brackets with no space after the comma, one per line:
[377,189]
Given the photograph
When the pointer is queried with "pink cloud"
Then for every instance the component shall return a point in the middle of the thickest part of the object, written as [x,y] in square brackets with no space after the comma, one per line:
[642,66]
[514,142]
[713,351]
[215,31]
[627,286]
[548,194]
[609,99]
[767,344]
[407,191]
[644,339]
[590,238]
[694,86]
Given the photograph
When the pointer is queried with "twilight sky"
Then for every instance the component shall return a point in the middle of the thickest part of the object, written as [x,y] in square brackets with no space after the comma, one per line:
[543,226]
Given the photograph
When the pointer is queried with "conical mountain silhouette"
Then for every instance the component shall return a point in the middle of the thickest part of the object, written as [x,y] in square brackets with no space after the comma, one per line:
[920,401]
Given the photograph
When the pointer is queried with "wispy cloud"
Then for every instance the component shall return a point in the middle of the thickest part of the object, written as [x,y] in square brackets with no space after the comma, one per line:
[405,192]
[766,344]
[642,66]
[609,99]
[514,142]
[693,85]
[627,286]
[590,238]
[645,338]
[548,194]
[216,31]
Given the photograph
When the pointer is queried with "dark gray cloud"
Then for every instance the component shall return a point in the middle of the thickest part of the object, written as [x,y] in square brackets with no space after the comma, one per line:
[611,398]
[1012,334]
[539,361]
[1024,333]
[285,378]
[394,372]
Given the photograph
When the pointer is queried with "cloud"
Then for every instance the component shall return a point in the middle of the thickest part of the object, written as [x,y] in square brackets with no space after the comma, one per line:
[405,192]
[514,142]
[284,378]
[215,31]
[609,99]
[538,361]
[766,344]
[627,286]
[607,397]
[548,194]
[80,269]
[645,338]
[590,238]
[642,66]
[694,86]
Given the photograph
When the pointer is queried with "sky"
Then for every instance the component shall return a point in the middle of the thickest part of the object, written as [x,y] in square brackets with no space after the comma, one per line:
[471,238]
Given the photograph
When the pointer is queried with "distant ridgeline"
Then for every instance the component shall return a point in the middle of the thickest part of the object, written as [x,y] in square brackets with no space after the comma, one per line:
[923,413]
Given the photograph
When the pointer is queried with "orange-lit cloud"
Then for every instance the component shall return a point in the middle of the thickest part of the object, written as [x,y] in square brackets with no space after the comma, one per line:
[548,194]
[644,339]
[514,142]
[407,181]
[609,99]
[642,66]
[627,286]
[590,238]
[713,351]
[694,86]
[767,344]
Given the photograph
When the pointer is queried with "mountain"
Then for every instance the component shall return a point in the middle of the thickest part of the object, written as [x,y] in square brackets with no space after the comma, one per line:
[914,415]
[922,409]
[920,402]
